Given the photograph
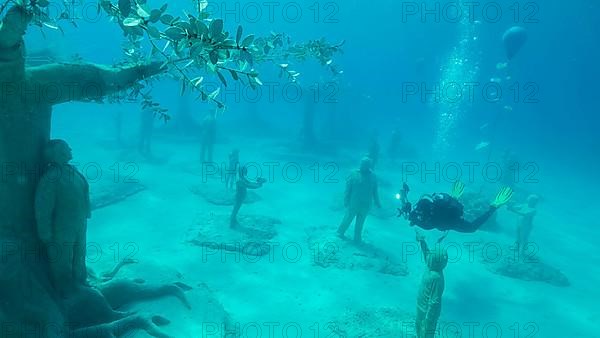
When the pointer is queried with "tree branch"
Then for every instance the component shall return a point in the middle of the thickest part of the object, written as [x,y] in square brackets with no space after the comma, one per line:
[62,82]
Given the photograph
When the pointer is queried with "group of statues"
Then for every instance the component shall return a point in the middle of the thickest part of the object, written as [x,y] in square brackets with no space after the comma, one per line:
[62,185]
[434,211]
[61,203]
[208,133]
[62,208]
[439,211]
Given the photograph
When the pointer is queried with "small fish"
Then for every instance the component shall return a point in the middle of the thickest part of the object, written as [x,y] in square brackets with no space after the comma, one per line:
[482,145]
[484,127]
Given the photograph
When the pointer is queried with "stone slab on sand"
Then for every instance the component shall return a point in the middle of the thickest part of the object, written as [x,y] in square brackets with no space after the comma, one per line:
[371,323]
[338,253]
[252,237]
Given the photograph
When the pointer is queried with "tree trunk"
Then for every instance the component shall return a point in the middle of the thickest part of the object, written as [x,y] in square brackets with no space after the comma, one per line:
[307,133]
[28,303]
[27,300]
[24,129]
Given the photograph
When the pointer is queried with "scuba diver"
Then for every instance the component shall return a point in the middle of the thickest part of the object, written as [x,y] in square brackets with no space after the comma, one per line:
[444,212]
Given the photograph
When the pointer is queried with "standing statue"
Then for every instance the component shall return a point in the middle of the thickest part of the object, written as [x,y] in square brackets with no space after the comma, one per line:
[361,192]
[429,299]
[146,131]
[307,133]
[62,208]
[511,169]
[526,213]
[395,145]
[209,136]
[242,185]
[232,170]
[374,149]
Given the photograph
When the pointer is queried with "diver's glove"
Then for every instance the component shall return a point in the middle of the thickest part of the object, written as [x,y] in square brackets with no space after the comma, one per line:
[503,197]
[458,189]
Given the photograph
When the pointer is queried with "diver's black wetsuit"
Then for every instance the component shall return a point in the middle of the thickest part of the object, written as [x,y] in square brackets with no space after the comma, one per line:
[444,212]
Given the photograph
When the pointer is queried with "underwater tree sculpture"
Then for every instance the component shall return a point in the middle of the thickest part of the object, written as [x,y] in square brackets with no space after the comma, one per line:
[25,110]
[29,303]
[28,94]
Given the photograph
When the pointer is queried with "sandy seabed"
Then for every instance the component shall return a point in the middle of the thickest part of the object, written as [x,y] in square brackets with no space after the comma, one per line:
[288,292]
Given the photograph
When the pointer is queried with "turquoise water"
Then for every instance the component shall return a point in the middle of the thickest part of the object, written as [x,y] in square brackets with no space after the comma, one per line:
[401,70]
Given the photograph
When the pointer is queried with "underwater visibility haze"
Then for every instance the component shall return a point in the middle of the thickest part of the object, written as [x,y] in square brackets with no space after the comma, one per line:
[200,168]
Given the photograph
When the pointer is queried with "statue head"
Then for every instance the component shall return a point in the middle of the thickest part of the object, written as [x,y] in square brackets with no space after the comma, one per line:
[366,164]
[532,201]
[437,259]
[58,151]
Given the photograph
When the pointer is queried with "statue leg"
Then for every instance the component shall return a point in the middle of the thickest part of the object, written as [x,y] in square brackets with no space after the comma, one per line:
[61,269]
[236,208]
[227,181]
[429,327]
[231,181]
[519,243]
[358,226]
[419,323]
[348,218]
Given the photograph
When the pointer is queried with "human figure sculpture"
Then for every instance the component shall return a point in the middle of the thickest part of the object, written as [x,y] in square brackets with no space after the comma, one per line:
[209,135]
[429,299]
[526,213]
[62,208]
[361,193]
[242,185]
[146,131]
[232,169]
